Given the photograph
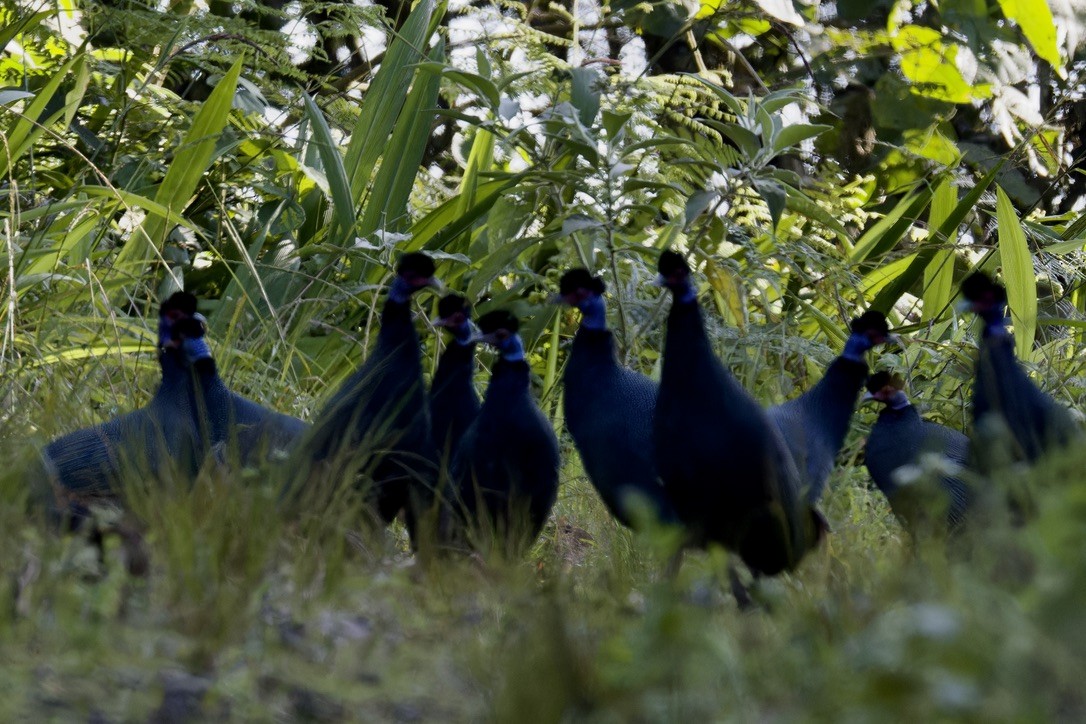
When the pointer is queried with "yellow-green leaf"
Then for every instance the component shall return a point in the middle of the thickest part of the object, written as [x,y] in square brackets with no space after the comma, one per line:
[1034,17]
[1018,274]
[939,274]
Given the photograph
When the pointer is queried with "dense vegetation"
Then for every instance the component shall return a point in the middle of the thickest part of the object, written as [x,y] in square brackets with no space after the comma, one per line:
[274,158]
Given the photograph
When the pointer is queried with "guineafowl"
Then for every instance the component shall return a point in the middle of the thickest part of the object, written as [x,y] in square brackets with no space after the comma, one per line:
[898,439]
[506,465]
[814,425]
[86,464]
[723,462]
[378,423]
[609,410]
[227,422]
[1004,397]
[454,403]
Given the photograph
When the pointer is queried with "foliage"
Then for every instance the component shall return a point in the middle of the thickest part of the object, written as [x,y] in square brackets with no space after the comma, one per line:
[814,162]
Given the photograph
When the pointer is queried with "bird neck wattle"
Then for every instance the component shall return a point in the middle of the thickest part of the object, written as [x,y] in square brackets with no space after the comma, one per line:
[593,312]
[856,346]
[512,349]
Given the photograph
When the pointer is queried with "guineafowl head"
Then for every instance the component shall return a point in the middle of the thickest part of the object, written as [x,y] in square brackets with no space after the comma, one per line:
[986,298]
[868,330]
[180,326]
[673,269]
[499,329]
[578,288]
[414,272]
[576,285]
[454,314]
[887,388]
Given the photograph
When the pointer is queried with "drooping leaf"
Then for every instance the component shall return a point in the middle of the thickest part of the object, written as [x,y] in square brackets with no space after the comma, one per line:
[939,274]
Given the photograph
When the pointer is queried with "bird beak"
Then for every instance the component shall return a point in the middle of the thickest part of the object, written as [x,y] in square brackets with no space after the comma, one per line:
[867,397]
[893,339]
[964,306]
[555,298]
[660,281]
[436,284]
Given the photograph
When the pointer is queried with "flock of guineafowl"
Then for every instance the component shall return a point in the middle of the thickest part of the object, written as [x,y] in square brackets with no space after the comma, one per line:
[694,450]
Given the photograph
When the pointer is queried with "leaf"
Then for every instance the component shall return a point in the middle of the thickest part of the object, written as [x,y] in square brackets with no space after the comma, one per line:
[1034,17]
[1018,274]
[585,94]
[339,187]
[939,274]
[386,207]
[9,95]
[385,98]
[698,203]
[888,296]
[189,164]
[932,65]
[774,196]
[796,134]
[885,234]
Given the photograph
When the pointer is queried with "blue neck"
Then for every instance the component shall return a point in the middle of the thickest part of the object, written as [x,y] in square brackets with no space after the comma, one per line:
[855,347]
[400,291]
[512,349]
[898,401]
[593,312]
[195,349]
[995,321]
[684,292]
[464,334]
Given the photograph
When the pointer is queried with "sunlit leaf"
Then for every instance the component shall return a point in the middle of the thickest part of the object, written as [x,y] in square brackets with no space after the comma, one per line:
[1018,274]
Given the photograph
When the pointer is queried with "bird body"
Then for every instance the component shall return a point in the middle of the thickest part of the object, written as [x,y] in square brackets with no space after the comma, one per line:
[506,464]
[191,414]
[377,425]
[815,424]
[609,410]
[899,438]
[725,465]
[454,403]
[1005,400]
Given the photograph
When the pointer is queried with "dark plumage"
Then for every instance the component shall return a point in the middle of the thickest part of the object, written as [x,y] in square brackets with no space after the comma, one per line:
[609,410]
[814,425]
[454,403]
[506,465]
[227,422]
[1005,401]
[898,439]
[724,465]
[378,423]
[161,437]
[191,413]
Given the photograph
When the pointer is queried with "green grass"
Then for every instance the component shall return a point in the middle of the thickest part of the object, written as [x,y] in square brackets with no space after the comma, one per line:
[273,618]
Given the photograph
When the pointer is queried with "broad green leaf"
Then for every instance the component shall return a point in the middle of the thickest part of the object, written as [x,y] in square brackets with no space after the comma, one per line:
[386,207]
[32,123]
[939,275]
[385,97]
[585,93]
[1018,274]
[885,234]
[189,164]
[903,281]
[335,175]
[796,134]
[1034,17]
[932,65]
